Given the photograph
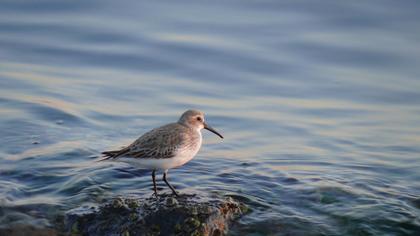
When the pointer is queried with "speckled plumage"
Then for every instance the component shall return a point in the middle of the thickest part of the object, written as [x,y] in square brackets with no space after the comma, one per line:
[162,142]
[166,147]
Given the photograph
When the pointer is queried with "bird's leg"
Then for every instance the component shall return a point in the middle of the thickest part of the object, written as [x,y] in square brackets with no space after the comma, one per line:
[167,183]
[154,182]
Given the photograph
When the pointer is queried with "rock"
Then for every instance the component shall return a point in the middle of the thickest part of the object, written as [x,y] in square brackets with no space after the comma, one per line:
[117,203]
[171,201]
[165,215]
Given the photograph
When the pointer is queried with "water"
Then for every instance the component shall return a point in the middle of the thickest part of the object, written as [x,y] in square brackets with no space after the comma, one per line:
[318,102]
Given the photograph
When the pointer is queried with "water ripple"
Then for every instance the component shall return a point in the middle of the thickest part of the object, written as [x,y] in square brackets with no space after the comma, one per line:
[317,101]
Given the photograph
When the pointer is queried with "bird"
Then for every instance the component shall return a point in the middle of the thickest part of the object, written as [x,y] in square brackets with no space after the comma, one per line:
[166,147]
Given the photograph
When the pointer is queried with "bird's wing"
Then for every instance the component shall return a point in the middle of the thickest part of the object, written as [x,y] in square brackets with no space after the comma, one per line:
[162,142]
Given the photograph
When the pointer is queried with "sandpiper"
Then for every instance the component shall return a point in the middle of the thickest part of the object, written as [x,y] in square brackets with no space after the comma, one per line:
[166,147]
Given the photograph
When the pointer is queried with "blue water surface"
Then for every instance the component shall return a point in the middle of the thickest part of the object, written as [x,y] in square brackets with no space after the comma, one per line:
[318,102]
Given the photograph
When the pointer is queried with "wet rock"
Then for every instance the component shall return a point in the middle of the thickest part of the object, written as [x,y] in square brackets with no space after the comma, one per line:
[118,203]
[165,215]
[171,201]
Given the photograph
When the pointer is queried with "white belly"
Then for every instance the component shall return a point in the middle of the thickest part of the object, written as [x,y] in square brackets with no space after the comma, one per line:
[182,157]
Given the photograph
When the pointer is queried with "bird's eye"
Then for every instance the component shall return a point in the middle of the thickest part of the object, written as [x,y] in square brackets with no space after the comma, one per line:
[199,118]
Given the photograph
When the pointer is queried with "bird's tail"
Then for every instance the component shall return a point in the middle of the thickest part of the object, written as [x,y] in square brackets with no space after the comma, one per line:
[104,159]
[113,154]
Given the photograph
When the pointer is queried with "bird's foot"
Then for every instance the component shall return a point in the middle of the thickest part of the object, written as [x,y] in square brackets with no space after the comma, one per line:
[175,193]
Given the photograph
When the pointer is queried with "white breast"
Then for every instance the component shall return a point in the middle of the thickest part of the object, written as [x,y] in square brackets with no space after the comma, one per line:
[183,156]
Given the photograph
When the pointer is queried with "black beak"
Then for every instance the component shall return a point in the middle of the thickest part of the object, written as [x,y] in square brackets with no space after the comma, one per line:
[207,127]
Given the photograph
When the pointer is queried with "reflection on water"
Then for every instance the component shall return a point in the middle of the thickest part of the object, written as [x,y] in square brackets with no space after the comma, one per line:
[317,101]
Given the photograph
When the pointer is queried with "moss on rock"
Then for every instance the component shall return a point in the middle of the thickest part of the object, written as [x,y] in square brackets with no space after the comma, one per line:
[185,215]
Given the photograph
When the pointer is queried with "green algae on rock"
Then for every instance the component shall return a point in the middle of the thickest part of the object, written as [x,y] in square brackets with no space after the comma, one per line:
[186,215]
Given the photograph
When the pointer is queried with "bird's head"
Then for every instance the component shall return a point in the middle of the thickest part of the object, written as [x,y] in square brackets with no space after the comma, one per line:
[195,119]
